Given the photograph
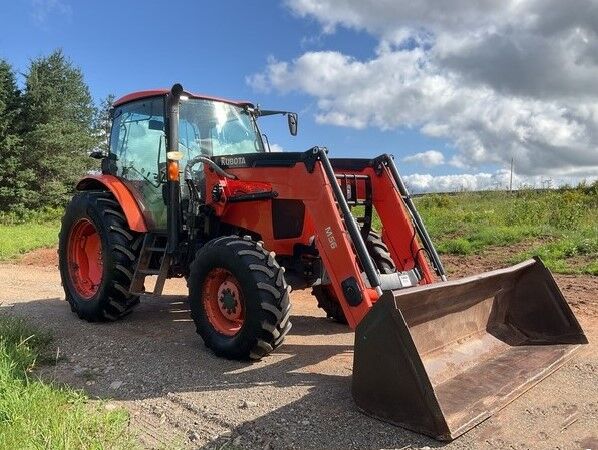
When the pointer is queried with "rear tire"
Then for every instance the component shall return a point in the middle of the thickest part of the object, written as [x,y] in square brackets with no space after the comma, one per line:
[239,298]
[378,250]
[328,302]
[96,282]
[379,253]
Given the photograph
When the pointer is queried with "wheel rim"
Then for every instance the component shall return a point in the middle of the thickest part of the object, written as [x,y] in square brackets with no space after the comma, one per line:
[223,301]
[85,262]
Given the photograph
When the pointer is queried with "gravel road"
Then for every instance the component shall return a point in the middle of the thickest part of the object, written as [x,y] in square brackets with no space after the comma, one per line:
[153,364]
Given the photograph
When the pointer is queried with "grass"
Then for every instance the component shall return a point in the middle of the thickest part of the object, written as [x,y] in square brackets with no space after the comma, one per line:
[35,414]
[16,240]
[573,253]
[24,232]
[561,226]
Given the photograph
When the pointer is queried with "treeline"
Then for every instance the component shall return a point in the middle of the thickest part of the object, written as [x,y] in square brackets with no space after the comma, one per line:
[46,130]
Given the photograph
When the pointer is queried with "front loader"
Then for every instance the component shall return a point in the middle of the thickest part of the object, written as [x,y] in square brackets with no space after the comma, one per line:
[190,189]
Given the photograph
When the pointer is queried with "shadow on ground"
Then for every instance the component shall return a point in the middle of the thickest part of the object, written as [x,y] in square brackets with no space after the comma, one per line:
[153,359]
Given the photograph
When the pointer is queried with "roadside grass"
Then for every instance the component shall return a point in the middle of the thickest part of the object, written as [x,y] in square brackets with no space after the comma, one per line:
[560,226]
[21,233]
[35,414]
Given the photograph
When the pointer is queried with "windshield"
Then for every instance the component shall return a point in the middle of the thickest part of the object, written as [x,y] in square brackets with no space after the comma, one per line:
[215,128]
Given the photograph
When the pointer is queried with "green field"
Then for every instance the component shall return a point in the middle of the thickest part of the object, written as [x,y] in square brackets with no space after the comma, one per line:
[561,226]
[21,233]
[35,414]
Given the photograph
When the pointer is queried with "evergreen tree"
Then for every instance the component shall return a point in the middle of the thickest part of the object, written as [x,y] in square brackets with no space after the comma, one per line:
[15,177]
[9,96]
[55,91]
[58,126]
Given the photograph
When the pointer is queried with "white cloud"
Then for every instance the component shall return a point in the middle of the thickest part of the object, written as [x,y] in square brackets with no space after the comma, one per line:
[427,158]
[451,183]
[42,9]
[276,148]
[499,79]
[499,180]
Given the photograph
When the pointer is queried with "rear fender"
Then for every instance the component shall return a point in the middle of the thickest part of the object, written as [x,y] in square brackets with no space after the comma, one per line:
[123,196]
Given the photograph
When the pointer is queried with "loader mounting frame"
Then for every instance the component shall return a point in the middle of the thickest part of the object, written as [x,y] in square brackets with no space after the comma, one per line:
[349,269]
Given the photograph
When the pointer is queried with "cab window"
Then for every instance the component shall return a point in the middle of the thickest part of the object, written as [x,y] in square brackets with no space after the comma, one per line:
[138,145]
[138,140]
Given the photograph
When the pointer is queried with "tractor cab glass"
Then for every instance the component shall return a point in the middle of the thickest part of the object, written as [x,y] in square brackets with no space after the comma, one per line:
[206,127]
[215,128]
[138,148]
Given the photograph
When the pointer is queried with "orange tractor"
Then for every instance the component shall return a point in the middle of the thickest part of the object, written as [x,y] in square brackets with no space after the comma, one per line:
[190,189]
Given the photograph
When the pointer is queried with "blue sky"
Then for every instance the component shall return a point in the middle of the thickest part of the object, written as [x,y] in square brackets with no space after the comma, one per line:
[209,47]
[220,48]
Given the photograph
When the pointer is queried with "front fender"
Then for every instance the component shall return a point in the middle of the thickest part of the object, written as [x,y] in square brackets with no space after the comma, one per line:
[123,196]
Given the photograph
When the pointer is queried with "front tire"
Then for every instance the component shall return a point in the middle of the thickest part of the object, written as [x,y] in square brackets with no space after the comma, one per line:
[239,298]
[97,253]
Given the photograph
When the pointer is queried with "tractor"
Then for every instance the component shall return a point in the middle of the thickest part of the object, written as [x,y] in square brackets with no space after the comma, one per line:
[189,188]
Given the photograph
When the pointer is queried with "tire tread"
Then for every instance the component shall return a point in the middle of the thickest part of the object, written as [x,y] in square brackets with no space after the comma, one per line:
[273,302]
[123,244]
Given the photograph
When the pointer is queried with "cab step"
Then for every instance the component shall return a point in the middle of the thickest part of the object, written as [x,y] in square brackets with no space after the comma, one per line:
[153,260]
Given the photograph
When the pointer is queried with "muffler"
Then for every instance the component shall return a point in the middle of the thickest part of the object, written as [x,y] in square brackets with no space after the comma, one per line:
[441,358]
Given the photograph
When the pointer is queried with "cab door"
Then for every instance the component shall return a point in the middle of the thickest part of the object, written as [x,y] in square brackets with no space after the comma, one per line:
[138,147]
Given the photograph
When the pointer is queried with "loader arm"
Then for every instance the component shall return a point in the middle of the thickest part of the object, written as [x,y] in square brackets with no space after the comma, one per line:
[390,193]
[311,179]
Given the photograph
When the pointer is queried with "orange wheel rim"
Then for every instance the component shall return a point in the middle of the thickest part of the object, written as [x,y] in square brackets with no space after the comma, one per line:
[85,264]
[223,301]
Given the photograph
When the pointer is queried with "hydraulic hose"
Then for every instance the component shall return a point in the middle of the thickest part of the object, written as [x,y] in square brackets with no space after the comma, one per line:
[212,164]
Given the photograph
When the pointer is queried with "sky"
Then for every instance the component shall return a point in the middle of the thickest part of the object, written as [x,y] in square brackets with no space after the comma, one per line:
[456,90]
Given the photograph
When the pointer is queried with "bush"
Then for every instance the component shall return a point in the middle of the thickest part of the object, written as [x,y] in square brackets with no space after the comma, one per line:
[21,216]
[437,201]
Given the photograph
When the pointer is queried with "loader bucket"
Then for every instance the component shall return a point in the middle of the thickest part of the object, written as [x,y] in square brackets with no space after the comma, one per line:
[441,358]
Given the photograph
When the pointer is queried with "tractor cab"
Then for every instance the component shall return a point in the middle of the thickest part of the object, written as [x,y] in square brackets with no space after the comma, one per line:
[207,126]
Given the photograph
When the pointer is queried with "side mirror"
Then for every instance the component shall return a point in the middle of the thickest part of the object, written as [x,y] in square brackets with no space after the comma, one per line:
[292,118]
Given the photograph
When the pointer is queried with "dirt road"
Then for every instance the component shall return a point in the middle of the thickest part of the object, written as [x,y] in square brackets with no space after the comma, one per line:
[154,364]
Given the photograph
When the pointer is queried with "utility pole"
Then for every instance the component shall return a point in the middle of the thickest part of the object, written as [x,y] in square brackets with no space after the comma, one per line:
[511,181]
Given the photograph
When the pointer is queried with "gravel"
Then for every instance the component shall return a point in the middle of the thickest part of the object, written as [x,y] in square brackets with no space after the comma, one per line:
[153,363]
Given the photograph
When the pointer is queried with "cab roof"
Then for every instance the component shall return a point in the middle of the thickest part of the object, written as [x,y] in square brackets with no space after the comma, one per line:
[139,95]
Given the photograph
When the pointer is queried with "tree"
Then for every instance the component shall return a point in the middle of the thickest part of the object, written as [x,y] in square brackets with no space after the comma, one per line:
[56,91]
[58,125]
[15,177]
[9,97]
